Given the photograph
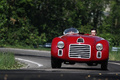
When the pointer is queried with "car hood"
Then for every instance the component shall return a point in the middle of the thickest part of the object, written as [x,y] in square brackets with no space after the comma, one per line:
[87,39]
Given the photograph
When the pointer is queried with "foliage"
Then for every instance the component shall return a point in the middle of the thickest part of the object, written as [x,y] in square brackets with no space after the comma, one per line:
[32,22]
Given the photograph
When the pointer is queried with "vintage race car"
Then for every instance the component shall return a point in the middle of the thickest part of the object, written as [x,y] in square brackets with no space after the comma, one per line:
[74,47]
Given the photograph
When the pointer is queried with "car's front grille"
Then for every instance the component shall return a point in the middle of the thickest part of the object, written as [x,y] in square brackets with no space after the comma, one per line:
[79,51]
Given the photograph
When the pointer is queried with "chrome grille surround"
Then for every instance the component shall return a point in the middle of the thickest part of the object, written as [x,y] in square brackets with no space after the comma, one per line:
[82,51]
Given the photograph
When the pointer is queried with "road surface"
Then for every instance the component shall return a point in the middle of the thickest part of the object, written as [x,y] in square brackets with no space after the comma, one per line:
[39,68]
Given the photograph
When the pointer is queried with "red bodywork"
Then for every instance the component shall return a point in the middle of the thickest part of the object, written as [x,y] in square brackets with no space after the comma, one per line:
[90,41]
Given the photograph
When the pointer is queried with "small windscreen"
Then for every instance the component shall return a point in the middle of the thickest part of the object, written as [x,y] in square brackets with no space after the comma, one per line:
[70,31]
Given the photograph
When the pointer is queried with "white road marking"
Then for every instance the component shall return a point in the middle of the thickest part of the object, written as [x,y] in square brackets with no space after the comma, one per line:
[114,63]
[39,65]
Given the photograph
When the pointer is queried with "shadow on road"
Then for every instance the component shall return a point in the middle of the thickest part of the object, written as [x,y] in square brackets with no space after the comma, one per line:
[79,68]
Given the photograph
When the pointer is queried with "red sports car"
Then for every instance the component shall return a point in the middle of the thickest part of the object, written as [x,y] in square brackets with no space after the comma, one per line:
[74,47]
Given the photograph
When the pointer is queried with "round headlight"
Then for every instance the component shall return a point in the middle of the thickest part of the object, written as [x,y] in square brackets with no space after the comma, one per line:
[99,46]
[60,44]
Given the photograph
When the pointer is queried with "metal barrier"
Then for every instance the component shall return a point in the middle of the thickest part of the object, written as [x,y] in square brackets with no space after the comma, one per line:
[115,48]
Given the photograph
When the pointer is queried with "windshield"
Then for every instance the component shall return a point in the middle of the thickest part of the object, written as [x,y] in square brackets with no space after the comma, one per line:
[70,31]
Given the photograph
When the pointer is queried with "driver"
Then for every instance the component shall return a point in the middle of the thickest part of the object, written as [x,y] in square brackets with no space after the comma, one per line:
[93,32]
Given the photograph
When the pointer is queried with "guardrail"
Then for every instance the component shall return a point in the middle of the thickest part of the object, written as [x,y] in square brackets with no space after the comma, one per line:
[115,48]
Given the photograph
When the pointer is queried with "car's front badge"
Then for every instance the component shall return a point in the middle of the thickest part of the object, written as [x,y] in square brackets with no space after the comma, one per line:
[80,40]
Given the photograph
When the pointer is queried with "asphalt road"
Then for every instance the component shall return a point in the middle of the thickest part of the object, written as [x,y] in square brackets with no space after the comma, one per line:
[38,67]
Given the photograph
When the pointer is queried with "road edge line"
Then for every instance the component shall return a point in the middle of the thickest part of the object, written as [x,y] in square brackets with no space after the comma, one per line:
[39,65]
[114,63]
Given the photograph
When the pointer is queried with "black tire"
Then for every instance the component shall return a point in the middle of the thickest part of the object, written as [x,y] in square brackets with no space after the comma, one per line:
[55,63]
[104,65]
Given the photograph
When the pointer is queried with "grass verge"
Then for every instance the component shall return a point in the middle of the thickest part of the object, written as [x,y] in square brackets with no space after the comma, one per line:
[114,55]
[7,61]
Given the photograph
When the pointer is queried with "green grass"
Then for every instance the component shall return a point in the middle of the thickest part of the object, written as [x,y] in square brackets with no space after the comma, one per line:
[114,55]
[7,61]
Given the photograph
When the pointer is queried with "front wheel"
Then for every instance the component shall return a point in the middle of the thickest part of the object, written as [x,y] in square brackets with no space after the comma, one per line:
[55,63]
[104,65]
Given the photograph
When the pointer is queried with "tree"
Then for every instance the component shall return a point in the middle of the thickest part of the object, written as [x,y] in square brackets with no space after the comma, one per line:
[32,22]
[110,26]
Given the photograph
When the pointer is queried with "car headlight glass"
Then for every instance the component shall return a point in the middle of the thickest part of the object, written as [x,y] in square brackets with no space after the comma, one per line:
[99,46]
[60,44]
